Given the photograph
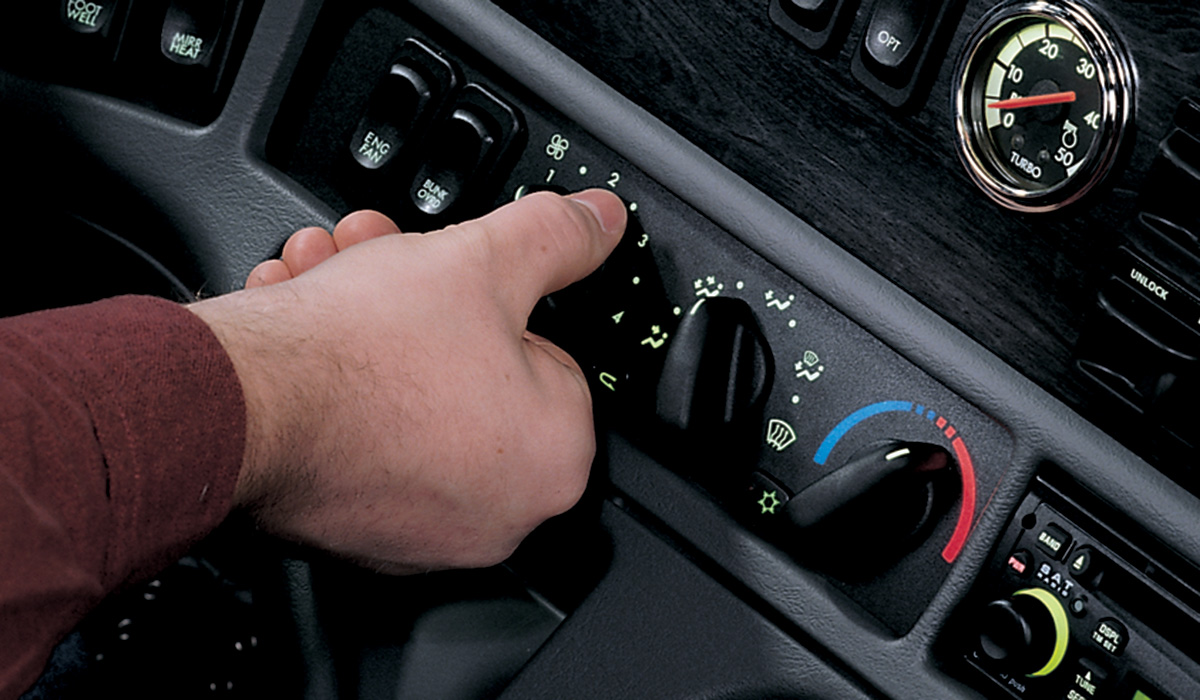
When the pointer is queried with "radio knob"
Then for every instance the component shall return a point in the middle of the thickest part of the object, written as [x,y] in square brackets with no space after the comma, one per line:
[1025,634]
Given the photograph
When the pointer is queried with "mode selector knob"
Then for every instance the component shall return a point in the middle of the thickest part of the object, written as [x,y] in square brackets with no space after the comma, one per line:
[1026,633]
[715,381]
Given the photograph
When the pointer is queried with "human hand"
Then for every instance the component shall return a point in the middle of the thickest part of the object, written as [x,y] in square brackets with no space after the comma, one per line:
[309,247]
[398,412]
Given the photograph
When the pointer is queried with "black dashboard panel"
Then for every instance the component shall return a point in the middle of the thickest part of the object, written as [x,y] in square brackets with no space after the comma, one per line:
[898,303]
[886,183]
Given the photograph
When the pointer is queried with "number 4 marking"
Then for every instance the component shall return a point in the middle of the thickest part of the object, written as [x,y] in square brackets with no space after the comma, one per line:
[1093,120]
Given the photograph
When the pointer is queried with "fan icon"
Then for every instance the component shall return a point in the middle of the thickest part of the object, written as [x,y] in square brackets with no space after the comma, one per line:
[557,147]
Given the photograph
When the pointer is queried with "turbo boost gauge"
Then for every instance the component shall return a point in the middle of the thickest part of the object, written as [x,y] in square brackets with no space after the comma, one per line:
[1043,96]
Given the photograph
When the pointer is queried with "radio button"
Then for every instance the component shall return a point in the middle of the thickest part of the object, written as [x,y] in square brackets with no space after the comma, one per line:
[1081,561]
[1111,636]
[1054,540]
[1088,682]
[1018,562]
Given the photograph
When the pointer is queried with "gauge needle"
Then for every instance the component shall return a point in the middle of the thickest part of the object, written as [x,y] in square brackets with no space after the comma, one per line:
[1053,98]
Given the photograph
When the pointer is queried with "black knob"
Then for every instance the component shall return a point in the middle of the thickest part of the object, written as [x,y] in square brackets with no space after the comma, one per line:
[1025,634]
[878,506]
[716,378]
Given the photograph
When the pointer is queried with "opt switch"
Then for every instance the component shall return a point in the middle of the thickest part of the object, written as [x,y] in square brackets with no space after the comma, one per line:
[894,36]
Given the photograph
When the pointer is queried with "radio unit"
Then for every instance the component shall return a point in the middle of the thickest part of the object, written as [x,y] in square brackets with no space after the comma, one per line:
[1068,609]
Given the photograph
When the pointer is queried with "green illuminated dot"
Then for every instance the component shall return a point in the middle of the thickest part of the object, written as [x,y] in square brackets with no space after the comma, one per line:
[637,280]
[633,206]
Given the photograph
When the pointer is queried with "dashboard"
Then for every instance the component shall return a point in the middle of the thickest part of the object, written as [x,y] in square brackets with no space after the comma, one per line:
[894,368]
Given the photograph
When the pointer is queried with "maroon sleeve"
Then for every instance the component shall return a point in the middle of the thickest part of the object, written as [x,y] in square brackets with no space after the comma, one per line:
[122,428]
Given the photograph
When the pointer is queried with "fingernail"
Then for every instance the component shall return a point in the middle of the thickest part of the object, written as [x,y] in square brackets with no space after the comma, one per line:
[608,208]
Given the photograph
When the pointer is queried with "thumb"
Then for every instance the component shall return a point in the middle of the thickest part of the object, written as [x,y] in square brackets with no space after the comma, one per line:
[544,242]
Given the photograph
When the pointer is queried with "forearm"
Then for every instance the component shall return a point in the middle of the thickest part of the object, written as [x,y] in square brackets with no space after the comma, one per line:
[123,430]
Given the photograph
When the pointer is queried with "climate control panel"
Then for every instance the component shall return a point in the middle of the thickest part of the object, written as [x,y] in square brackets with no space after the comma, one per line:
[813,434]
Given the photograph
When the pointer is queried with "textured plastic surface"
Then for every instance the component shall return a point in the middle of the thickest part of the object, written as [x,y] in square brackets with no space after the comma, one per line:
[230,210]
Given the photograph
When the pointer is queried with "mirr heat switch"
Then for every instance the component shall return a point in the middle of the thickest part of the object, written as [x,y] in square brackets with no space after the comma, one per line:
[192,31]
[463,151]
[403,104]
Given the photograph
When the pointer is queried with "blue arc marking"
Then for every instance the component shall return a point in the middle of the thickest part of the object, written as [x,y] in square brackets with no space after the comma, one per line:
[831,440]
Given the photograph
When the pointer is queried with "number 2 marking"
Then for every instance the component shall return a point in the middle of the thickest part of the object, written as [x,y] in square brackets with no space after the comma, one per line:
[1049,49]
[614,179]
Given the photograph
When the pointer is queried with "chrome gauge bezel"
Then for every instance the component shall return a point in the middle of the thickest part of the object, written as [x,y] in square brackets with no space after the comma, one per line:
[1115,75]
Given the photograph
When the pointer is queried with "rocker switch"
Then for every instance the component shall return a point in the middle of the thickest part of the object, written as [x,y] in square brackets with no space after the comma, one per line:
[895,33]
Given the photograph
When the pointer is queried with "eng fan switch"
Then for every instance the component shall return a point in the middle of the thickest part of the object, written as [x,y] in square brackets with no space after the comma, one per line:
[403,105]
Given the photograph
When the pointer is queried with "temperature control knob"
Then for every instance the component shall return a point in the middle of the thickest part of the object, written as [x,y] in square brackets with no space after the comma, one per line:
[1025,634]
[879,504]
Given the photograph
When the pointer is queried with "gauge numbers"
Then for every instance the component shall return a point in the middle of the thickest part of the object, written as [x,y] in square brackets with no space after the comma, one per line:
[1042,100]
